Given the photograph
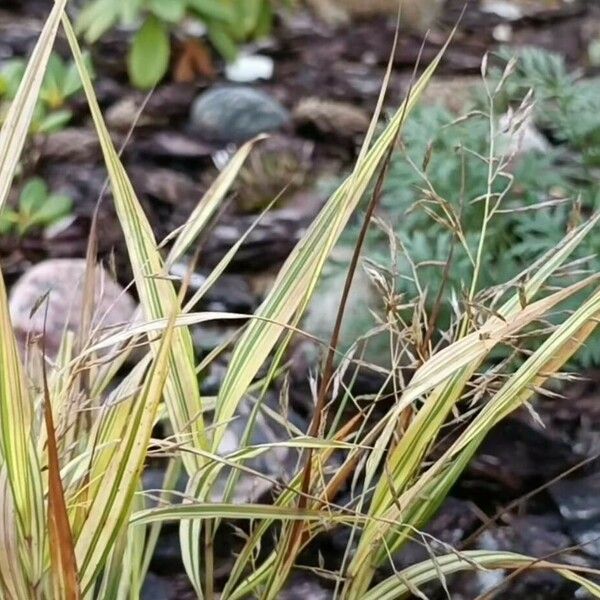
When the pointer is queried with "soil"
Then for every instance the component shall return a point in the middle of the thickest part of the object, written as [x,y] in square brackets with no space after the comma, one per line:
[170,167]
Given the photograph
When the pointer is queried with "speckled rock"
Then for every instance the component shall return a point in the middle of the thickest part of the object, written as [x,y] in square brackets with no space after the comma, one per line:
[234,114]
[539,536]
[157,588]
[364,300]
[416,15]
[577,500]
[455,93]
[331,118]
[304,586]
[64,280]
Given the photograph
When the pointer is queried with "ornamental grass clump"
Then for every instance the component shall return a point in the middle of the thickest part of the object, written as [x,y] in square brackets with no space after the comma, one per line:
[74,439]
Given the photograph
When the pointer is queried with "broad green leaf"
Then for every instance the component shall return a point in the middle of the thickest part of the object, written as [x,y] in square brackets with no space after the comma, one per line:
[72,81]
[96,18]
[129,11]
[53,121]
[33,195]
[223,41]
[264,25]
[8,218]
[172,11]
[11,76]
[52,87]
[248,13]
[148,57]
[54,207]
[214,11]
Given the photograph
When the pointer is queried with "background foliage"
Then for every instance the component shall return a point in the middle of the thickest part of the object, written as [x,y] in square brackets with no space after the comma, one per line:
[228,23]
[433,196]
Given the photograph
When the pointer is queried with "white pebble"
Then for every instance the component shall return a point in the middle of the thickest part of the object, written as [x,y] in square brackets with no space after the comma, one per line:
[249,67]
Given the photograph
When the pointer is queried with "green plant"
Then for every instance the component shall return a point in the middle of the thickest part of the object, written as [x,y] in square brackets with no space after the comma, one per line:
[566,104]
[11,74]
[36,207]
[228,23]
[73,440]
[61,82]
[434,195]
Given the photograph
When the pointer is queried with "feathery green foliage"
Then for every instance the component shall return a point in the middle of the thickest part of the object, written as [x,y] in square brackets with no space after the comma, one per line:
[434,195]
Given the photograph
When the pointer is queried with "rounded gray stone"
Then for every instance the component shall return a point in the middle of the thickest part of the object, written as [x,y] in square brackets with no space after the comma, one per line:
[234,114]
[63,281]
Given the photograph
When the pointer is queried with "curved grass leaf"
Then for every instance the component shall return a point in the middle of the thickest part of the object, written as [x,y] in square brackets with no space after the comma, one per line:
[16,125]
[110,506]
[211,200]
[19,456]
[443,397]
[408,580]
[214,510]
[436,482]
[407,456]
[301,269]
[156,293]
